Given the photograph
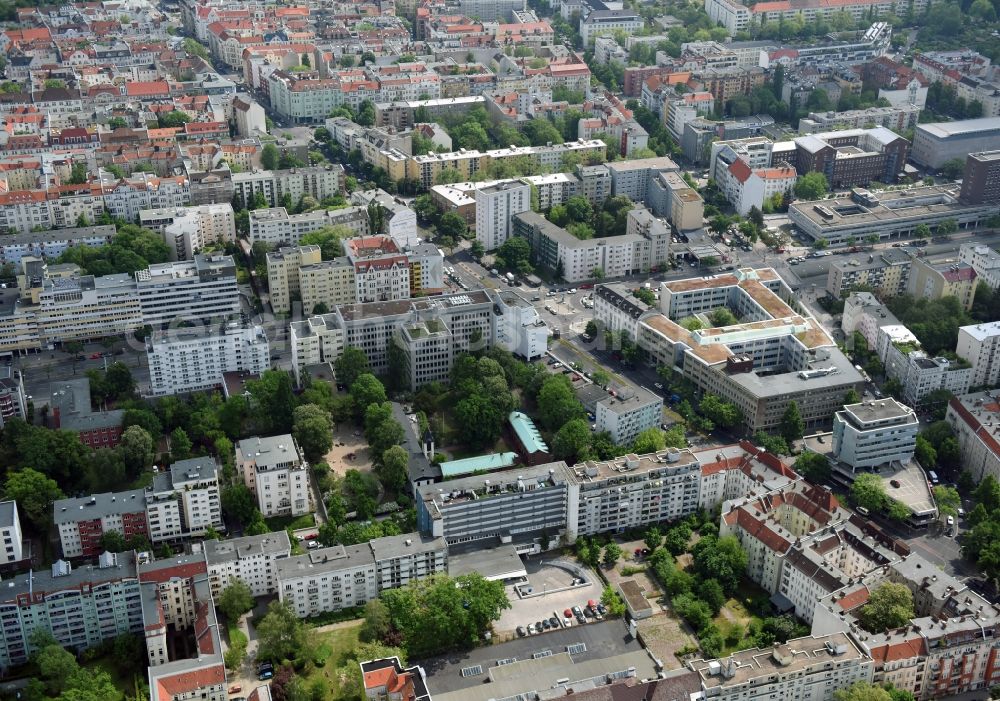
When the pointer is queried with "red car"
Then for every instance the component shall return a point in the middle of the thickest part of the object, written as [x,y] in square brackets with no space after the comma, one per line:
[95,356]
[235,689]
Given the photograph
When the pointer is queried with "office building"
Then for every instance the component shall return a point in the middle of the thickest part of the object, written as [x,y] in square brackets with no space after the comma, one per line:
[984,260]
[196,291]
[886,272]
[937,143]
[81,521]
[775,356]
[187,230]
[930,281]
[251,559]
[853,156]
[981,180]
[628,414]
[195,359]
[597,23]
[808,668]
[183,501]
[276,226]
[79,307]
[283,281]
[275,471]
[81,607]
[979,345]
[890,215]
[10,532]
[874,433]
[975,419]
[518,327]
[495,205]
[70,410]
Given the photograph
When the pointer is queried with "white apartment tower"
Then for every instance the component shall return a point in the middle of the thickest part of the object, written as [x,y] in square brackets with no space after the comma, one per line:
[495,205]
[874,433]
[980,345]
[275,471]
[184,500]
[195,291]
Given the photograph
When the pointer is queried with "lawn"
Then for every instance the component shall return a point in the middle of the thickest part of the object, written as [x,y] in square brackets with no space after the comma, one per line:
[332,648]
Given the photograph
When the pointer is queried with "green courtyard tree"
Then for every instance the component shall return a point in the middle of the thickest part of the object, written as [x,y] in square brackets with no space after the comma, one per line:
[813,466]
[812,186]
[792,425]
[889,606]
[281,634]
[612,553]
[34,493]
[868,492]
[269,156]
[235,600]
[312,428]
[350,365]
[571,441]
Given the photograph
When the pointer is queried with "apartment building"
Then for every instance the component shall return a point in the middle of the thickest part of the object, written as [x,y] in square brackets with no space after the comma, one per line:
[13,400]
[495,205]
[984,260]
[730,14]
[194,359]
[381,270]
[979,344]
[401,559]
[518,327]
[184,501]
[283,280]
[197,291]
[52,244]
[809,668]
[747,188]
[685,207]
[628,414]
[774,357]
[188,230]
[10,533]
[328,579]
[597,23]
[276,226]
[975,419]
[897,119]
[922,375]
[251,559]
[930,281]
[275,471]
[874,433]
[81,521]
[634,179]
[617,310]
[886,271]
[981,179]
[80,607]
[866,315]
[70,410]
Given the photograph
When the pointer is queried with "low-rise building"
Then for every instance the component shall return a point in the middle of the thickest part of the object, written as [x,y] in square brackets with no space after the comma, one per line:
[251,559]
[874,433]
[275,471]
[70,409]
[195,359]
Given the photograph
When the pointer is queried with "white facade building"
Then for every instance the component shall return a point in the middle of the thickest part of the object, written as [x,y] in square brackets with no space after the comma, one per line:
[518,327]
[10,532]
[874,433]
[975,418]
[275,471]
[189,360]
[984,260]
[625,417]
[184,501]
[328,579]
[979,344]
[495,205]
[276,226]
[198,291]
[187,230]
[251,559]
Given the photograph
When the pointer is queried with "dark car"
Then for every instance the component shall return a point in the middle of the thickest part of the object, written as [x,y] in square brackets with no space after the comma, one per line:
[521,632]
[554,622]
[580,619]
[265,675]
[539,626]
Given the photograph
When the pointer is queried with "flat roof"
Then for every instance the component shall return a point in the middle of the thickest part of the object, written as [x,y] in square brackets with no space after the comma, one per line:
[324,560]
[97,505]
[498,563]
[395,546]
[110,567]
[232,549]
[943,130]
[879,410]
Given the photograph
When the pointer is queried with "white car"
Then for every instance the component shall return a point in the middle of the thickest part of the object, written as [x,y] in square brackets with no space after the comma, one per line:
[950,521]
[573,291]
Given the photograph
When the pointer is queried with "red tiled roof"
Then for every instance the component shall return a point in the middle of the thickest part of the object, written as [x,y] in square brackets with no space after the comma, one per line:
[740,170]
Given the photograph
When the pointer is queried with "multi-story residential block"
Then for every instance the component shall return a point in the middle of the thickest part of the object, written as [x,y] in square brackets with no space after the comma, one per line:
[81,307]
[399,221]
[890,215]
[874,433]
[616,309]
[328,283]
[195,359]
[606,22]
[628,414]
[922,375]
[402,559]
[200,290]
[975,419]
[806,668]
[895,119]
[189,229]
[127,197]
[937,143]
[70,410]
[277,226]
[283,279]
[736,362]
[10,533]
[634,179]
[984,260]
[13,400]
[747,187]
[495,206]
[81,521]
[518,327]
[979,345]
[183,501]
[251,559]
[80,608]
[981,180]
[730,14]
[328,579]
[52,244]
[381,270]
[853,157]
[320,182]
[275,471]
[929,281]
[886,271]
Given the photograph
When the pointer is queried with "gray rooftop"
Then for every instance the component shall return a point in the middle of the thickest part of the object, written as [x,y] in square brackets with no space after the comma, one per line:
[324,560]
[117,566]
[74,234]
[97,505]
[218,551]
[944,130]
[495,563]
[396,546]
[789,382]
[7,509]
[269,451]
[878,411]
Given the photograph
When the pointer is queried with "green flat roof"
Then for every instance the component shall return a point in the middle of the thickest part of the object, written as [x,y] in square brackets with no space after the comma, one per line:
[480,463]
[527,432]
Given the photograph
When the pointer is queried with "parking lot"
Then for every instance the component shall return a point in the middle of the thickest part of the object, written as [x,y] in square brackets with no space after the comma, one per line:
[546,601]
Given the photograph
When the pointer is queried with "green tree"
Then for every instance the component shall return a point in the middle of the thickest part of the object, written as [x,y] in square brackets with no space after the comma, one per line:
[724,414]
[235,600]
[269,156]
[675,437]
[953,169]
[862,691]
[392,468]
[613,602]
[174,119]
[113,542]
[452,225]
[812,186]
[367,390]
[721,558]
[312,429]
[649,441]
[351,364]
[377,622]
[281,634]
[813,466]
[792,425]
[273,400]
[238,503]
[136,449]
[722,317]
[867,491]
[948,500]
[852,397]
[612,553]
[34,493]
[180,444]
[889,606]
[557,403]
[710,591]
[55,667]
[922,231]
[571,441]
[78,173]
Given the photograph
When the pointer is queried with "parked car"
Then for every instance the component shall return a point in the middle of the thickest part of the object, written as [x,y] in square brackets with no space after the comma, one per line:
[521,632]
[235,689]
[554,622]
[265,675]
